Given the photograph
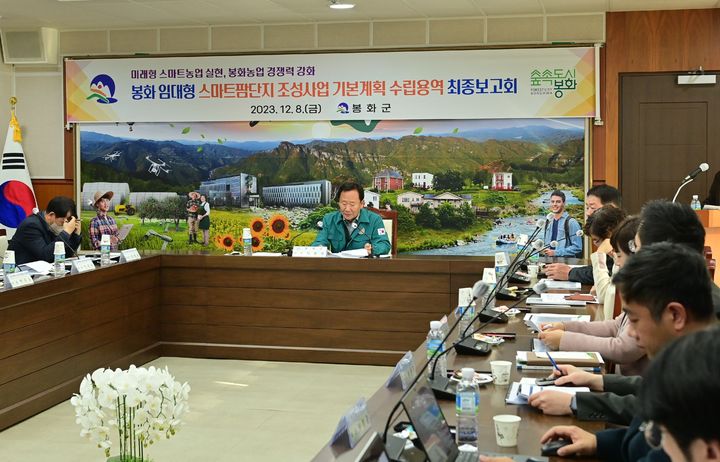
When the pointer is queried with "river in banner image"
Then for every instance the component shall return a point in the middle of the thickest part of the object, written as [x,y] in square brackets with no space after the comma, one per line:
[512,225]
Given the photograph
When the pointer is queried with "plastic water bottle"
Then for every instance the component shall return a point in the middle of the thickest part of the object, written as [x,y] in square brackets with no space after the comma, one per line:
[59,260]
[435,343]
[466,320]
[695,203]
[105,250]
[467,401]
[9,262]
[247,242]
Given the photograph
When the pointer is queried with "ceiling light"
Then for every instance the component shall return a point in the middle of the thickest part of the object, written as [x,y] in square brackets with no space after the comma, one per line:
[340,5]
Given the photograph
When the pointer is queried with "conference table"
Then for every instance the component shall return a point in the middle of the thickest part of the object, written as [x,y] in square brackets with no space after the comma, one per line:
[492,399]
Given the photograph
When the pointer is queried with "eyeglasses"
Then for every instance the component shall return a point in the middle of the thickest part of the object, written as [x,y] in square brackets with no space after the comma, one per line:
[652,433]
[631,246]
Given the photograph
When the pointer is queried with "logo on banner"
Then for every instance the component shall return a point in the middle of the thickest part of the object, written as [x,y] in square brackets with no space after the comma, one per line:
[552,81]
[343,108]
[103,89]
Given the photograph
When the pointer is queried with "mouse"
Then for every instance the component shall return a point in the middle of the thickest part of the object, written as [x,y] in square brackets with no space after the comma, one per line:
[550,448]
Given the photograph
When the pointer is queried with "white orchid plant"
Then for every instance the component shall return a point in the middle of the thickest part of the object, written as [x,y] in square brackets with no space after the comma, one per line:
[143,405]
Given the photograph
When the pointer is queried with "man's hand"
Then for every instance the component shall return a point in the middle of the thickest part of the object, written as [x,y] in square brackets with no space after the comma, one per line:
[494,459]
[583,443]
[549,253]
[78,227]
[69,225]
[551,402]
[558,271]
[605,247]
[368,247]
[552,338]
[578,377]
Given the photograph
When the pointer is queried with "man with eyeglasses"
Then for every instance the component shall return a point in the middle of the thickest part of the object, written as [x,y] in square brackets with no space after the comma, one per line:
[353,226]
[666,293]
[595,198]
[685,378]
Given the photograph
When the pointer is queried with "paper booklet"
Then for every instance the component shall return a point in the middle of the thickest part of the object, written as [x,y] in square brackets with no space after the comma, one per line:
[520,391]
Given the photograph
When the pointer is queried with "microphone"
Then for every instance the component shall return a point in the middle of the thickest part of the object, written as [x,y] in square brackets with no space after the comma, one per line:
[158,235]
[68,246]
[318,225]
[701,168]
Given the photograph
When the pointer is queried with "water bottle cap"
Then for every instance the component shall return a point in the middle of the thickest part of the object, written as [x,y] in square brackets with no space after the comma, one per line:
[435,325]
[59,248]
[105,239]
[468,373]
[246,233]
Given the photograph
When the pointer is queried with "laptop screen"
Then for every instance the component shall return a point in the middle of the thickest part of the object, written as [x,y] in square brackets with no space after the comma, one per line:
[430,425]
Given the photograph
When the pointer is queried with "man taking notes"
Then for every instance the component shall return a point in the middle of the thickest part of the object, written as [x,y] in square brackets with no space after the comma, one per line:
[36,236]
[353,226]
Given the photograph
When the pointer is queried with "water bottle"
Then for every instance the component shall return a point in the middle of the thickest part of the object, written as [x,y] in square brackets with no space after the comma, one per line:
[467,401]
[9,262]
[465,320]
[105,250]
[695,203]
[247,242]
[59,260]
[435,343]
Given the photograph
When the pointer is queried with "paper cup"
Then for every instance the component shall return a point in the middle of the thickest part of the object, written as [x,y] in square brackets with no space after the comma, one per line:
[506,430]
[501,372]
[533,271]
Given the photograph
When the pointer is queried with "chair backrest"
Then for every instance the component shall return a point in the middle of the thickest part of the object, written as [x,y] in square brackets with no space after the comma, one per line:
[390,222]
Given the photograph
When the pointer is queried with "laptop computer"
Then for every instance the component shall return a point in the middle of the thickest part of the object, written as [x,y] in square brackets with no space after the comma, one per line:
[433,431]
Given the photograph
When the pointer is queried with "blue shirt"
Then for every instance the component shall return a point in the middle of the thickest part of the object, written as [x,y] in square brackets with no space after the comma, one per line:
[571,247]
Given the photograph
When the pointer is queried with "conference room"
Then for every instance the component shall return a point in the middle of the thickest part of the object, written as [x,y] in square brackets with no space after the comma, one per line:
[230,162]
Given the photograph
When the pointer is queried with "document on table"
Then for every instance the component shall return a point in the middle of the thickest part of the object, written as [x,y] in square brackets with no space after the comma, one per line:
[536,320]
[539,345]
[520,391]
[560,299]
[37,267]
[357,253]
[561,285]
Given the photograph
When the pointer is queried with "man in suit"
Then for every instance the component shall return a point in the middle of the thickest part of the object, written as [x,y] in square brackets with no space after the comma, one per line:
[353,226]
[666,293]
[36,236]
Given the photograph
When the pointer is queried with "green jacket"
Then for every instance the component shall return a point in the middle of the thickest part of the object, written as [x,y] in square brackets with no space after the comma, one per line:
[369,229]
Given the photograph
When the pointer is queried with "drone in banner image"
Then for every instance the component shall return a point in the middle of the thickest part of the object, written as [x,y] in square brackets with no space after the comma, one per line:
[113,156]
[156,167]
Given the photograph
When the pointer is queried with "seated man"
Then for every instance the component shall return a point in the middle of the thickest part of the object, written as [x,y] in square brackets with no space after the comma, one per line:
[562,229]
[595,198]
[680,378]
[353,227]
[103,223]
[666,293]
[36,236]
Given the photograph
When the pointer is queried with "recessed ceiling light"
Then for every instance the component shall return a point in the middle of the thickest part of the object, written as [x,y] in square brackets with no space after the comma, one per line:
[340,5]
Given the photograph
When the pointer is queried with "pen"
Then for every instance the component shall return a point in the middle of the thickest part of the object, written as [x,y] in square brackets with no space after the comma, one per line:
[554,364]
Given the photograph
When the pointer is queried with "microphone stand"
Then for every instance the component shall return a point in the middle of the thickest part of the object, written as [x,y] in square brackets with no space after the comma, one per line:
[682,186]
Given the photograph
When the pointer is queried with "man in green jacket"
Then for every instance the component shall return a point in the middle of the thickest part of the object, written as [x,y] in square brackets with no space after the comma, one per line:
[353,227]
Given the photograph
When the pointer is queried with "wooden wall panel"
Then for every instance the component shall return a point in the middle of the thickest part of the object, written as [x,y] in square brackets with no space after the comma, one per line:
[651,41]
[47,189]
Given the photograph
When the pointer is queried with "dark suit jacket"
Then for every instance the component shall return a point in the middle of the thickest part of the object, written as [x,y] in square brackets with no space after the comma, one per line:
[33,240]
[584,274]
[627,445]
[617,404]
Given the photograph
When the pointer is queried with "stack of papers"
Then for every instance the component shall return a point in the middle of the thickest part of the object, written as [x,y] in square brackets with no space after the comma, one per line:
[556,299]
[536,320]
[520,391]
[561,285]
[37,267]
[590,359]
[357,253]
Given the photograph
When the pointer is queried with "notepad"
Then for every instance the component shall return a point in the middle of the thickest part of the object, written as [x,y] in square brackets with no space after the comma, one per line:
[561,285]
[520,391]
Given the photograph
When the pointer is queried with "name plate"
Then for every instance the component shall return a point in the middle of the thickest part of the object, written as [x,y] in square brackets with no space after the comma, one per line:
[18,279]
[310,251]
[129,255]
[489,276]
[82,265]
[501,259]
[403,374]
[352,426]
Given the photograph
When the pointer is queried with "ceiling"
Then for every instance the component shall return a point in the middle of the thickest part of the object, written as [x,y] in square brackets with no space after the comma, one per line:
[108,14]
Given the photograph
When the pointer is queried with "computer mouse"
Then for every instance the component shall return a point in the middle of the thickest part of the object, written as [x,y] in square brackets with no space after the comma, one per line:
[550,448]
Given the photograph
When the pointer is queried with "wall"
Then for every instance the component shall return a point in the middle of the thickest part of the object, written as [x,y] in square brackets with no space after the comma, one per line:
[650,41]
[40,108]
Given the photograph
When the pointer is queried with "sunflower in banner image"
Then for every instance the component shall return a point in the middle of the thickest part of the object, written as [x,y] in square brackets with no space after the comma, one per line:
[257,243]
[227,243]
[257,226]
[279,226]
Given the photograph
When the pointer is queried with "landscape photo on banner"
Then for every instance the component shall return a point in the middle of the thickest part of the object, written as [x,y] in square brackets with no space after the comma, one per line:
[460,187]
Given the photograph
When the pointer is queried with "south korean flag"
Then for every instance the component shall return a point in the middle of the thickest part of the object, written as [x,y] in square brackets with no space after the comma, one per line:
[381,231]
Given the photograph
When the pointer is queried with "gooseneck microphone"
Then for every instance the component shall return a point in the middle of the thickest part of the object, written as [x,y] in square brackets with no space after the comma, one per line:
[690,177]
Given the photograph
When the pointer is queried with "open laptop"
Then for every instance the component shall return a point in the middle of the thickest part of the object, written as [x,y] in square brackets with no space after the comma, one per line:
[433,431]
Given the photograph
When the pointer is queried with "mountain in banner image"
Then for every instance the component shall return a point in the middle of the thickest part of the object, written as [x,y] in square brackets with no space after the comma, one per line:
[362,159]
[150,165]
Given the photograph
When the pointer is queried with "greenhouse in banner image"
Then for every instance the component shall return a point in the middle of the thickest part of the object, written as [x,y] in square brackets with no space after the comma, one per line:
[459,186]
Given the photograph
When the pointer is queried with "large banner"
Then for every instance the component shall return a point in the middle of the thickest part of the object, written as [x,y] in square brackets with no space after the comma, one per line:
[470,84]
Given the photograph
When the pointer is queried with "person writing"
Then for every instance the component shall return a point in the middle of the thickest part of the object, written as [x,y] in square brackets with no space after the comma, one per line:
[36,236]
[103,223]
[353,226]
